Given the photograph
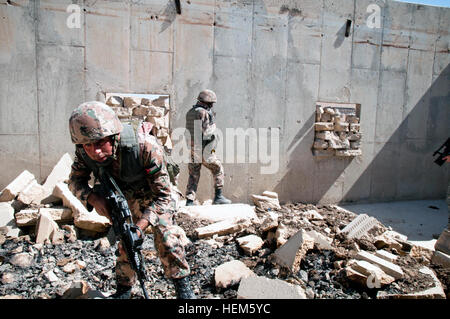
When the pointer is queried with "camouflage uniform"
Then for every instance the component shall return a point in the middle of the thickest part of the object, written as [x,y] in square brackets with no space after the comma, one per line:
[152,201]
[199,118]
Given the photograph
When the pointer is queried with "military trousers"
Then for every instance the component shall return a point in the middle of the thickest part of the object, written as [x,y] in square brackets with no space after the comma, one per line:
[209,160]
[169,239]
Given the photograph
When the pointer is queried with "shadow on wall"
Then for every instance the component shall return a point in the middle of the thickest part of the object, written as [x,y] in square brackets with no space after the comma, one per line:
[400,168]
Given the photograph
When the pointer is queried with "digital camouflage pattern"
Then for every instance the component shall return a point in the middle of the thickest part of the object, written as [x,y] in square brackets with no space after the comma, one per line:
[153,202]
[202,151]
[207,96]
[92,121]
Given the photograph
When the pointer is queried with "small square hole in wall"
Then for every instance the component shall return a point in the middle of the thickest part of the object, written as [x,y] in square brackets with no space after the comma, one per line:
[153,108]
[337,130]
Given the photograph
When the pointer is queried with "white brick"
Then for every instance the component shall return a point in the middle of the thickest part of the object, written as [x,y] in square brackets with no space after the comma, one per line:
[231,273]
[265,202]
[217,213]
[222,228]
[7,220]
[28,217]
[265,288]
[48,230]
[388,267]
[59,173]
[82,218]
[33,193]
[386,255]
[368,269]
[16,186]
[250,244]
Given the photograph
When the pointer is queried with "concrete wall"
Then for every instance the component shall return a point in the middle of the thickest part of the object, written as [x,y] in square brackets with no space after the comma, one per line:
[269,61]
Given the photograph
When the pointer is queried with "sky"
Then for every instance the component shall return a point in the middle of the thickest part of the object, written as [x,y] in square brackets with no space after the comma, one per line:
[439,3]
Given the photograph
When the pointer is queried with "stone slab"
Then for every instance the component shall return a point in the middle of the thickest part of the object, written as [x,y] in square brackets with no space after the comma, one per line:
[265,288]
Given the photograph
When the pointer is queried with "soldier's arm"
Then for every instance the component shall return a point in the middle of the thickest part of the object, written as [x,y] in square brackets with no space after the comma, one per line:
[159,182]
[79,180]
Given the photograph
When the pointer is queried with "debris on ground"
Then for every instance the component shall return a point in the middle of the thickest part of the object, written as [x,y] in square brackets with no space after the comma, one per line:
[294,250]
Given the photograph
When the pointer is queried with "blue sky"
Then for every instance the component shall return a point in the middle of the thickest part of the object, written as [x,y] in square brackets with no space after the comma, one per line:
[440,3]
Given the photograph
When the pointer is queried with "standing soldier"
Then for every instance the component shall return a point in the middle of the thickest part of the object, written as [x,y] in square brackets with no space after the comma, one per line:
[102,141]
[200,123]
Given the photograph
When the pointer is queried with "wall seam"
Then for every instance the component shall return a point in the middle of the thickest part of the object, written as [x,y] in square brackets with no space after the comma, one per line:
[36,31]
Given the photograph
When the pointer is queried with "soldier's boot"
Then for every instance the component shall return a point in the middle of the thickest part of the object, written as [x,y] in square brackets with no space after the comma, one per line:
[123,292]
[189,202]
[219,198]
[183,288]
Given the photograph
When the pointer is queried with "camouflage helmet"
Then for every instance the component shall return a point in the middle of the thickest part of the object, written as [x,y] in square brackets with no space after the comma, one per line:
[207,96]
[92,121]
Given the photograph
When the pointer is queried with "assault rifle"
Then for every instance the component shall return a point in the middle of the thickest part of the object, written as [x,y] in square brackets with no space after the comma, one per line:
[443,151]
[123,226]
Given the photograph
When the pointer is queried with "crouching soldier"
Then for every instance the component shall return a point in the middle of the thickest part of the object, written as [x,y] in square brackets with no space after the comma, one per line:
[103,141]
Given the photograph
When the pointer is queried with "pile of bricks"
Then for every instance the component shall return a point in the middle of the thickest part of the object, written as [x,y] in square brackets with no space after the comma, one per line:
[134,109]
[337,130]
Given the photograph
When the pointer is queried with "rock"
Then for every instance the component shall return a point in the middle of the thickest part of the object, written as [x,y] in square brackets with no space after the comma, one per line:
[82,218]
[59,173]
[265,202]
[23,260]
[231,273]
[130,102]
[29,217]
[223,228]
[265,288]
[281,235]
[162,101]
[374,276]
[323,126]
[8,278]
[321,241]
[51,276]
[72,237]
[437,292]
[250,244]
[443,242]
[82,290]
[16,186]
[439,258]
[312,214]
[217,213]
[269,221]
[291,253]
[388,267]
[140,111]
[33,193]
[115,101]
[47,230]
[7,220]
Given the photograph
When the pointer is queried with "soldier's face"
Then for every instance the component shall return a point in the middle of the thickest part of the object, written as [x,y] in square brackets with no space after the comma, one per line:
[100,150]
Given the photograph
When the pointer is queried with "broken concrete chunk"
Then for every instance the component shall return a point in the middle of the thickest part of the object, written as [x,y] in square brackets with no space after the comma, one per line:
[7,220]
[265,288]
[323,126]
[140,111]
[59,173]
[312,214]
[292,252]
[440,258]
[359,226]
[348,152]
[383,254]
[82,218]
[250,244]
[115,101]
[321,241]
[443,242]
[231,273]
[269,221]
[388,267]
[265,202]
[29,217]
[33,193]
[23,260]
[223,228]
[16,186]
[437,292]
[47,230]
[162,101]
[130,102]
[374,274]
[216,213]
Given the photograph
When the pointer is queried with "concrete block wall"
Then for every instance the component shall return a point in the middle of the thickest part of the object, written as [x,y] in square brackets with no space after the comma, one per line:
[269,61]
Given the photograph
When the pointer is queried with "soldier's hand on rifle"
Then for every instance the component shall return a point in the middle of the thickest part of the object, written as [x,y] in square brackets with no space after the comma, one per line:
[100,204]
[447,159]
[142,224]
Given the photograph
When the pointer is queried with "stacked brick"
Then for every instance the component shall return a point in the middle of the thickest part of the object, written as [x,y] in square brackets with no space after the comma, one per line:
[337,130]
[134,109]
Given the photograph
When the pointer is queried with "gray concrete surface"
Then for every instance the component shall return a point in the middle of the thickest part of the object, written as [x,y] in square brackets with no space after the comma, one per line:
[421,220]
[268,61]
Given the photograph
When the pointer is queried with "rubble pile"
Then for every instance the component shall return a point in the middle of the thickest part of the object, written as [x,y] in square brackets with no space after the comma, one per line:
[51,247]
